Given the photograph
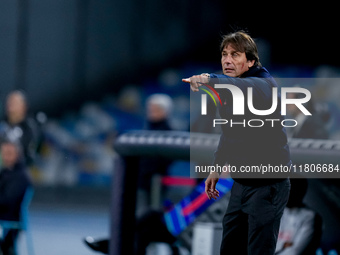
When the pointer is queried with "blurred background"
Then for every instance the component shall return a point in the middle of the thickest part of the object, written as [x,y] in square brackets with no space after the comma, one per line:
[87,68]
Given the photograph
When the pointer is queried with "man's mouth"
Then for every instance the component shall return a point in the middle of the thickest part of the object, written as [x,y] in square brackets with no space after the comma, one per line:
[228,70]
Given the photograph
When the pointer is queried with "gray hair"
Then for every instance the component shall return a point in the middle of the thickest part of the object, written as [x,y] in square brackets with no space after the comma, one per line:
[162,100]
[20,93]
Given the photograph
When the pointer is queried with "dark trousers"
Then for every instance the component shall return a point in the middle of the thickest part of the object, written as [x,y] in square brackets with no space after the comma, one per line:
[7,245]
[251,223]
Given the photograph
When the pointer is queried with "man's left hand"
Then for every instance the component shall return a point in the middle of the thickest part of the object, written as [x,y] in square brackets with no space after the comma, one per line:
[210,186]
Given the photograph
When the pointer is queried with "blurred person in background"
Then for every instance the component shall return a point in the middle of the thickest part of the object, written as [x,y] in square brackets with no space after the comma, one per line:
[18,126]
[13,184]
[309,126]
[158,110]
[301,227]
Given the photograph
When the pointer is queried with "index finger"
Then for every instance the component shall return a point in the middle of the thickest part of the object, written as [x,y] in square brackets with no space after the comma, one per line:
[186,80]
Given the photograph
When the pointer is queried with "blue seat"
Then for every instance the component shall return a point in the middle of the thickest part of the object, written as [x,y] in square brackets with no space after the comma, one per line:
[23,224]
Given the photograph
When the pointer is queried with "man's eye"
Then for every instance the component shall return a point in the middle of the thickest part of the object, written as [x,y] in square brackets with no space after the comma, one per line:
[235,54]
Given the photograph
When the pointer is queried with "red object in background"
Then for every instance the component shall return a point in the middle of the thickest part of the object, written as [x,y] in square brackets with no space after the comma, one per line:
[178,181]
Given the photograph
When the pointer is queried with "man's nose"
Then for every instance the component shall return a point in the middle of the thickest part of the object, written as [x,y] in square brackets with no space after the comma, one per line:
[227,60]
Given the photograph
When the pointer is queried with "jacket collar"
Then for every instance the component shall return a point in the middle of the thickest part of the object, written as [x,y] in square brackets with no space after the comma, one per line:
[256,71]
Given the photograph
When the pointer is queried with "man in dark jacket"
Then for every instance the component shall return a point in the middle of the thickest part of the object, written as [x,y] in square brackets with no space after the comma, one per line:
[13,184]
[252,220]
[17,126]
[158,109]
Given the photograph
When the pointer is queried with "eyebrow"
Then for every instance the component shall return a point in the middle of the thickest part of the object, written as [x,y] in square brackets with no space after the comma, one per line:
[234,51]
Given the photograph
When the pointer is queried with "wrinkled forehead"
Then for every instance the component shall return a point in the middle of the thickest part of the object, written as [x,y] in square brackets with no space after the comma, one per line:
[233,47]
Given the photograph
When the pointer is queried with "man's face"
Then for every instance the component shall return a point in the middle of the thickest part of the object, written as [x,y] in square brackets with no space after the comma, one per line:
[234,63]
[9,155]
[155,113]
[15,106]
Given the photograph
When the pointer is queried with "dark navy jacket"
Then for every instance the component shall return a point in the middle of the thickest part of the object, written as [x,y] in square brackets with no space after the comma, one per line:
[247,146]
[13,185]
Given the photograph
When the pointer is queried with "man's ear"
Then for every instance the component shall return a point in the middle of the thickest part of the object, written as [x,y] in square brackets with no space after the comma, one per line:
[250,63]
